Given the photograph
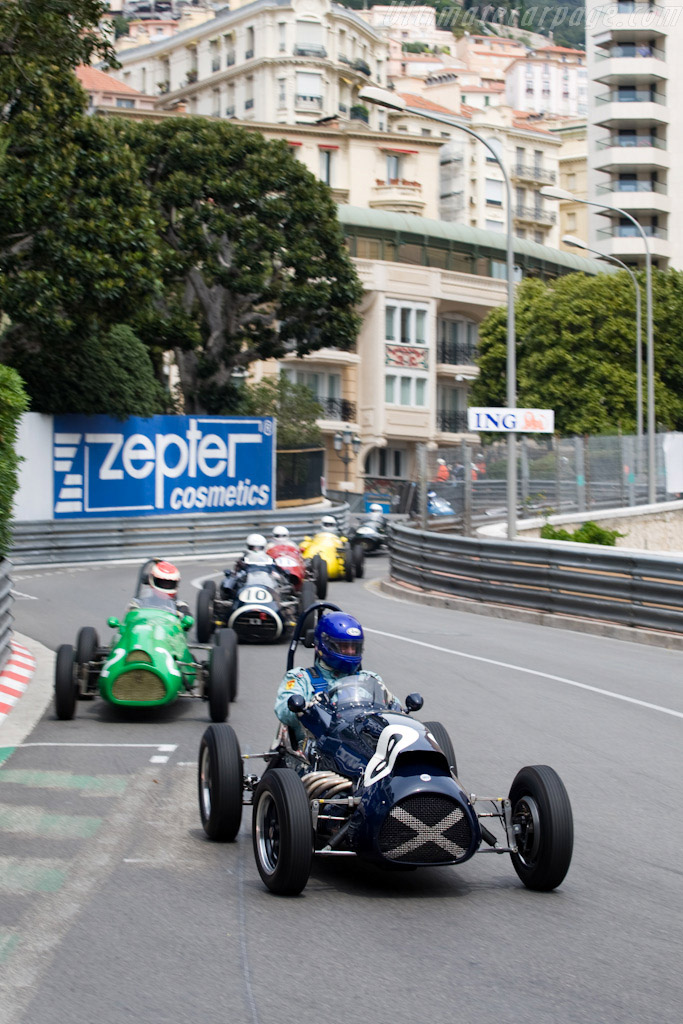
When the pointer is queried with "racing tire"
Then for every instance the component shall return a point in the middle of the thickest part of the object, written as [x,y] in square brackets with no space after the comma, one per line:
[227,638]
[282,832]
[210,585]
[220,783]
[205,621]
[219,684]
[442,737]
[320,575]
[87,643]
[358,552]
[541,807]
[307,597]
[66,688]
[348,563]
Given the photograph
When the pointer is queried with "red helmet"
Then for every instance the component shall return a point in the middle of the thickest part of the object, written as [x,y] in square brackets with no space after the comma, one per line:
[164,578]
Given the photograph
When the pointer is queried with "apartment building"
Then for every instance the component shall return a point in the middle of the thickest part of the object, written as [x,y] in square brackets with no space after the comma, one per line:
[551,80]
[427,287]
[278,61]
[635,136]
[573,176]
[104,91]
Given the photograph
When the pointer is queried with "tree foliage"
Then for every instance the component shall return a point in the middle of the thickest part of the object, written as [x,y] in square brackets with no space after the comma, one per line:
[111,373]
[254,260]
[12,403]
[294,405]
[576,351]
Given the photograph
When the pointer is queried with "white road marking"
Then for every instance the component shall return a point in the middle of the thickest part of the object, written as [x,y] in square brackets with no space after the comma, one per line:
[531,672]
[19,595]
[153,746]
[158,759]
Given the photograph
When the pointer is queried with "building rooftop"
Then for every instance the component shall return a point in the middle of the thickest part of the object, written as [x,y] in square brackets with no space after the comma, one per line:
[94,80]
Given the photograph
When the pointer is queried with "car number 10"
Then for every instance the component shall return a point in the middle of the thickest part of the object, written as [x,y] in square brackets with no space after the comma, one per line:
[255,595]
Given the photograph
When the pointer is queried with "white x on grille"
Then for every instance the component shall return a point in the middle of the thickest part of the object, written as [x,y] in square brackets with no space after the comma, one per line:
[427,833]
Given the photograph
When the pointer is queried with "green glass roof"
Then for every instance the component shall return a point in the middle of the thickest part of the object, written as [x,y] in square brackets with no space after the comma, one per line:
[412,227]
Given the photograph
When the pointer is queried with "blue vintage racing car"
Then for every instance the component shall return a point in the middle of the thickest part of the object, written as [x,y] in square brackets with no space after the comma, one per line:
[372,781]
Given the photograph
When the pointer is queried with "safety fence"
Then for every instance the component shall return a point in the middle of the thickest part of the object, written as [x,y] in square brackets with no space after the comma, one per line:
[5,612]
[570,579]
[81,540]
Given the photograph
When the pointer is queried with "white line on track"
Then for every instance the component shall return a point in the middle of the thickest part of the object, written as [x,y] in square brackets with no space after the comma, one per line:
[165,749]
[531,672]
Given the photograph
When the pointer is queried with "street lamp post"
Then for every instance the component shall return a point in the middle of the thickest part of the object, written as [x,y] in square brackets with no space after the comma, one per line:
[342,442]
[577,243]
[385,98]
[562,194]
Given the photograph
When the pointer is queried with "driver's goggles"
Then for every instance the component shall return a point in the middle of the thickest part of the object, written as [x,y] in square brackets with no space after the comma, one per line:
[347,648]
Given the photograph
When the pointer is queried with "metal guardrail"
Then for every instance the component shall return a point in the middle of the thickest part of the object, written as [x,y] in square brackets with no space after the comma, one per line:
[645,591]
[87,540]
[6,617]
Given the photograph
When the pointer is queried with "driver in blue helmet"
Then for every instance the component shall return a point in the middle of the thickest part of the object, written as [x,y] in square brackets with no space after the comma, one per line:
[338,652]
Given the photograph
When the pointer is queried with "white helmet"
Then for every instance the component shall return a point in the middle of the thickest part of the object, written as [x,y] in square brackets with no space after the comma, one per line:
[441,462]
[279,532]
[328,523]
[376,508]
[164,579]
[256,542]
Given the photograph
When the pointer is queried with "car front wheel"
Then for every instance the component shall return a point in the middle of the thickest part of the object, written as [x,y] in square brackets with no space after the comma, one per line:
[542,817]
[220,783]
[442,737]
[282,832]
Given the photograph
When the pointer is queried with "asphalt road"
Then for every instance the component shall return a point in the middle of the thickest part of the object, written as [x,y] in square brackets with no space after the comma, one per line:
[115,908]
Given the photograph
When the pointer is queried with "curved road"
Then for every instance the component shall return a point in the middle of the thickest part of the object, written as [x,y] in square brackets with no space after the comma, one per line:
[115,908]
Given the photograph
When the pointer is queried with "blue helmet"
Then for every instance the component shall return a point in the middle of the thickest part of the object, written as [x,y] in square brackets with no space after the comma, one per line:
[339,642]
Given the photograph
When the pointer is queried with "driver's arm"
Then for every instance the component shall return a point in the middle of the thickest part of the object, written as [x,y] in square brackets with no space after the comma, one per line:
[296,681]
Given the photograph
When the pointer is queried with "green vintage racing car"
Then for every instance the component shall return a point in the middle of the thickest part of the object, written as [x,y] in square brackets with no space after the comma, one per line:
[149,662]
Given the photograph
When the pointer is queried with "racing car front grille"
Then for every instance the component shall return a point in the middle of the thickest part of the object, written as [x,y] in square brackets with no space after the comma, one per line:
[138,684]
[250,626]
[427,828]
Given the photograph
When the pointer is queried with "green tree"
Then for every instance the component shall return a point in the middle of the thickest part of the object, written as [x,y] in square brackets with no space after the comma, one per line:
[294,406]
[12,403]
[253,253]
[576,351]
[110,374]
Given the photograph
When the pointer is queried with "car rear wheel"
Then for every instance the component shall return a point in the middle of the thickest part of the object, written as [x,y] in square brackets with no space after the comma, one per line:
[205,622]
[220,783]
[219,684]
[87,643]
[359,560]
[210,585]
[66,688]
[282,832]
[348,563]
[320,575]
[227,638]
[442,737]
[542,815]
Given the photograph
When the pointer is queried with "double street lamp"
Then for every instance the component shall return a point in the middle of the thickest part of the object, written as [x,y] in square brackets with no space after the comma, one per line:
[577,243]
[564,196]
[385,98]
[343,441]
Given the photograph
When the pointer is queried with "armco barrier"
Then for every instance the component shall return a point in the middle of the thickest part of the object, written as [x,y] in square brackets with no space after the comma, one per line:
[571,579]
[5,612]
[86,540]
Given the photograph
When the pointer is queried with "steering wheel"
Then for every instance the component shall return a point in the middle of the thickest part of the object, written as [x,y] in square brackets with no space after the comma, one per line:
[316,607]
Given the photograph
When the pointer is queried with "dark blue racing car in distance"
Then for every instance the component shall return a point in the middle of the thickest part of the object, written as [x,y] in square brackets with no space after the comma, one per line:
[373,782]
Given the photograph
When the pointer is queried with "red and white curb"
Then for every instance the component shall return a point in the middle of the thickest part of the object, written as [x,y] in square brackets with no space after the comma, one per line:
[14,678]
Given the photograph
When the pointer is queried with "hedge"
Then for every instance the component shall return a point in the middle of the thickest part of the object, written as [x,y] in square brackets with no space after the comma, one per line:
[13,402]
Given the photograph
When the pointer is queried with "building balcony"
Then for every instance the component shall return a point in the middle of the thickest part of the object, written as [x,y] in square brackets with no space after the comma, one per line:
[643,196]
[359,113]
[633,153]
[362,66]
[310,50]
[338,409]
[613,109]
[629,15]
[308,103]
[615,69]
[451,422]
[533,172]
[454,354]
[534,215]
[630,248]
[397,195]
